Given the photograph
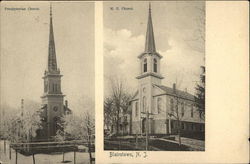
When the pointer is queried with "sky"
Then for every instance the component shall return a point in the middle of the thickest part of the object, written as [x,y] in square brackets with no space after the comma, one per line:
[176,26]
[24,51]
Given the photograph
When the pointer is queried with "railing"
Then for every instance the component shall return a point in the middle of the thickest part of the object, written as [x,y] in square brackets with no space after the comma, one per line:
[33,148]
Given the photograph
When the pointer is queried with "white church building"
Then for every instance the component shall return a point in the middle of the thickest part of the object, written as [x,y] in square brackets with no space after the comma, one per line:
[163,105]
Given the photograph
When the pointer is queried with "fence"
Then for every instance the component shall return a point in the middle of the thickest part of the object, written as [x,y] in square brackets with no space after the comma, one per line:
[49,147]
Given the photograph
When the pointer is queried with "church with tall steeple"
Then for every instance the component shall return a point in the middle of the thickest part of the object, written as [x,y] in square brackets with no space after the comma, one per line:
[156,108]
[53,107]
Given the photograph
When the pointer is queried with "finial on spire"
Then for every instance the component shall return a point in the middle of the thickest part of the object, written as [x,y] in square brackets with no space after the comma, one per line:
[149,7]
[150,42]
[52,64]
[50,10]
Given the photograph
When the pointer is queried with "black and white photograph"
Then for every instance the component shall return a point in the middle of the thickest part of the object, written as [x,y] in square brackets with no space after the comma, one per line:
[47,83]
[154,76]
[124,82]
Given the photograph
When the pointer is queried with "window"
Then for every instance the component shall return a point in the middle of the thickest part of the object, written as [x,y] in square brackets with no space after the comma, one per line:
[192,111]
[144,104]
[145,65]
[155,65]
[182,126]
[193,127]
[159,105]
[136,108]
[182,109]
[172,105]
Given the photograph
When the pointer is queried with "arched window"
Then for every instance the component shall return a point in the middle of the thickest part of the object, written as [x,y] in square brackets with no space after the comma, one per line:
[159,105]
[136,108]
[172,105]
[182,109]
[155,65]
[144,104]
[145,65]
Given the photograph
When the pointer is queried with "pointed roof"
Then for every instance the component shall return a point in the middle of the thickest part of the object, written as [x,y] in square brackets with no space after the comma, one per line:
[52,64]
[150,41]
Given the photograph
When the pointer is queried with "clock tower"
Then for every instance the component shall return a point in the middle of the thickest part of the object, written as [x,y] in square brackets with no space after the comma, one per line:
[52,99]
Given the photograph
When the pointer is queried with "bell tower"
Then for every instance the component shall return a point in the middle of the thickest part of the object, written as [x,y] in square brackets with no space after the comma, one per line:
[52,97]
[149,70]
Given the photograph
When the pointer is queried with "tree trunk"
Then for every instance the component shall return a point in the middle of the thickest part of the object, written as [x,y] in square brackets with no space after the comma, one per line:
[89,141]
[63,156]
[179,133]
[74,156]
[9,151]
[16,156]
[34,161]
[4,146]
[117,122]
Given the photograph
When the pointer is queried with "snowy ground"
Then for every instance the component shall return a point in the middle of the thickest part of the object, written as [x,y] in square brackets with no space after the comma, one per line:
[81,157]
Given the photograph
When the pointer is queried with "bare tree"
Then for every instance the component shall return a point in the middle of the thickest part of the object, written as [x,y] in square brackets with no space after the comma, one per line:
[22,126]
[90,128]
[109,117]
[79,127]
[197,40]
[116,105]
[175,112]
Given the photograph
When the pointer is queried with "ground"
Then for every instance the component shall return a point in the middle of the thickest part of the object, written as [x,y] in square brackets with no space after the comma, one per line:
[81,157]
[155,144]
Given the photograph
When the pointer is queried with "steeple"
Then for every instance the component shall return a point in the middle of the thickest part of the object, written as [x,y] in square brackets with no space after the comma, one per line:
[150,41]
[150,59]
[52,64]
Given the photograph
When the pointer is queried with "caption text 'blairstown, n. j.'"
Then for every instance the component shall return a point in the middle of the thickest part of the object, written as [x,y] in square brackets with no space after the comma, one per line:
[128,154]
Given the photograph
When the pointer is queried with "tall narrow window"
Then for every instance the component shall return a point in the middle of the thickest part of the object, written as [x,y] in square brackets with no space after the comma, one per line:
[155,65]
[145,65]
[144,104]
[172,105]
[136,108]
[192,111]
[159,105]
[182,109]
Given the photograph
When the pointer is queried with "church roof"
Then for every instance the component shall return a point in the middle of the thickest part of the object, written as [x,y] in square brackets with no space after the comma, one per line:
[179,93]
[52,64]
[170,91]
[150,41]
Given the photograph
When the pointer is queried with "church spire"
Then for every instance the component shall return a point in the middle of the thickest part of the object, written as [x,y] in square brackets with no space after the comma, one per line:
[52,64]
[150,42]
